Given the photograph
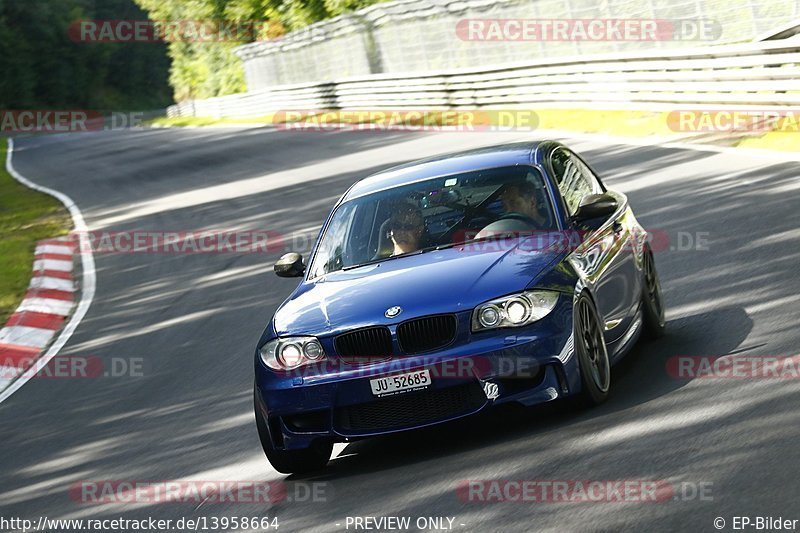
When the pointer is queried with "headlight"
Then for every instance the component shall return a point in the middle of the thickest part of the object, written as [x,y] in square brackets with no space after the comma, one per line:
[489,316]
[513,311]
[291,352]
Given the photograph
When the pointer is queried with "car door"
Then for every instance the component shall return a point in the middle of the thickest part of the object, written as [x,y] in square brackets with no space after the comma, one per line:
[606,254]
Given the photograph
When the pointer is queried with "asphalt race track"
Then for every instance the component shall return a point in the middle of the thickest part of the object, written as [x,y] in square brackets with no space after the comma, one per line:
[194,319]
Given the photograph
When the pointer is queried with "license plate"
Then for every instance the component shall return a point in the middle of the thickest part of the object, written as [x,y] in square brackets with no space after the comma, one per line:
[400,383]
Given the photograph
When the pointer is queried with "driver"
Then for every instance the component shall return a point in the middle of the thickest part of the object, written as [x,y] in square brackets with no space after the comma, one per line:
[406,229]
[519,203]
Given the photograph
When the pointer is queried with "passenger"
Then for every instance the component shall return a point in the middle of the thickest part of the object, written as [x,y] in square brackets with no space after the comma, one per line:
[406,229]
[520,203]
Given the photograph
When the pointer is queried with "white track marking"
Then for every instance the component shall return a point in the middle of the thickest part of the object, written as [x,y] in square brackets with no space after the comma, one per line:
[52,264]
[46,282]
[89,277]
[53,249]
[26,336]
[50,306]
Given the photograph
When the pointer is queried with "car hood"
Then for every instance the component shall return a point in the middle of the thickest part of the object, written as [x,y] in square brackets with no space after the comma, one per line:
[441,281]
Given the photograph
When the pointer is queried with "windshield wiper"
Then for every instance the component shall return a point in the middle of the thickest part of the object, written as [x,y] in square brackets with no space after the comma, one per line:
[407,254]
[359,265]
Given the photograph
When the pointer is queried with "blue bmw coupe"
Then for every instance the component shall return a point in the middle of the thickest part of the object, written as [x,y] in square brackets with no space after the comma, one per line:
[442,287]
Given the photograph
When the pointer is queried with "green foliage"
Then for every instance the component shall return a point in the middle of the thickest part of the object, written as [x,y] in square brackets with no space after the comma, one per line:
[206,69]
[43,68]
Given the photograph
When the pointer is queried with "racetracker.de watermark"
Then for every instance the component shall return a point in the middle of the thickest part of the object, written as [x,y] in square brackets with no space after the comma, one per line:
[597,29]
[13,121]
[98,492]
[189,31]
[365,366]
[412,120]
[531,491]
[77,367]
[180,242]
[734,120]
[571,240]
[747,367]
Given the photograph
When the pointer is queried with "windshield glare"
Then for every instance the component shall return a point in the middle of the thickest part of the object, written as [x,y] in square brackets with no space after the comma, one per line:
[433,213]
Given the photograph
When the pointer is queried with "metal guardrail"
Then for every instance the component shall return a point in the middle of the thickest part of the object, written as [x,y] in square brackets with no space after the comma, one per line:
[423,35]
[764,74]
[791,29]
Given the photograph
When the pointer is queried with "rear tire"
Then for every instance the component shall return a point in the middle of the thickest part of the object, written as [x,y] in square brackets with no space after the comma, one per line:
[652,301]
[590,349]
[310,459]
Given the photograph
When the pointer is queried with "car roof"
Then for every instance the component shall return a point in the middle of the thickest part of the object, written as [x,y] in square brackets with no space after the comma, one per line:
[520,153]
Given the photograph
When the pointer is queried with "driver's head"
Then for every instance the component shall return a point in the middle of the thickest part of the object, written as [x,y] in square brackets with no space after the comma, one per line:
[520,198]
[406,227]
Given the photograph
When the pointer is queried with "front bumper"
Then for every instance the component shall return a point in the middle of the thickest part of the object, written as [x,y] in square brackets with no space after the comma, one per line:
[529,366]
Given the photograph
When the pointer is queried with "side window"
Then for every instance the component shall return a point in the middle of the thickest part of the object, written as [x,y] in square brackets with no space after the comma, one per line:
[329,256]
[574,179]
[362,240]
[587,173]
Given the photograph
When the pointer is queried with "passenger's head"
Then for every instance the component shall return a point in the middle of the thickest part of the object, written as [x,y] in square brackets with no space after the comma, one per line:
[521,198]
[406,227]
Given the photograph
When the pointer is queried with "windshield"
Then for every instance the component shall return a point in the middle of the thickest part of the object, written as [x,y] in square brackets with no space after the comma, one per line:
[432,214]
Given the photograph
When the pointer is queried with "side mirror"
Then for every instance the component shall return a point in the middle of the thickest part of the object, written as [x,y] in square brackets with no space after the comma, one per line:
[290,265]
[595,206]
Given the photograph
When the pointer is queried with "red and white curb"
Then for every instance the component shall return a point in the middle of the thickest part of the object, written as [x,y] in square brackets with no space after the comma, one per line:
[49,314]
[41,314]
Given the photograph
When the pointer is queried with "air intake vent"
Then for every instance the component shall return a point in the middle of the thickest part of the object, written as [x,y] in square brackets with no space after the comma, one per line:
[426,333]
[364,345]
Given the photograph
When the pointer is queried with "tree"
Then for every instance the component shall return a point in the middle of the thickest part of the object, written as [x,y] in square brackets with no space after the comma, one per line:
[43,68]
[206,69]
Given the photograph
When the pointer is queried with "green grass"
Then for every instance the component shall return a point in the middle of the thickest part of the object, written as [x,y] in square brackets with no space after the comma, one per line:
[26,216]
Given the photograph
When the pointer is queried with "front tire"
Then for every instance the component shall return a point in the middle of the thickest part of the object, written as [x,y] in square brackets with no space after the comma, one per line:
[652,301]
[590,348]
[310,459]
